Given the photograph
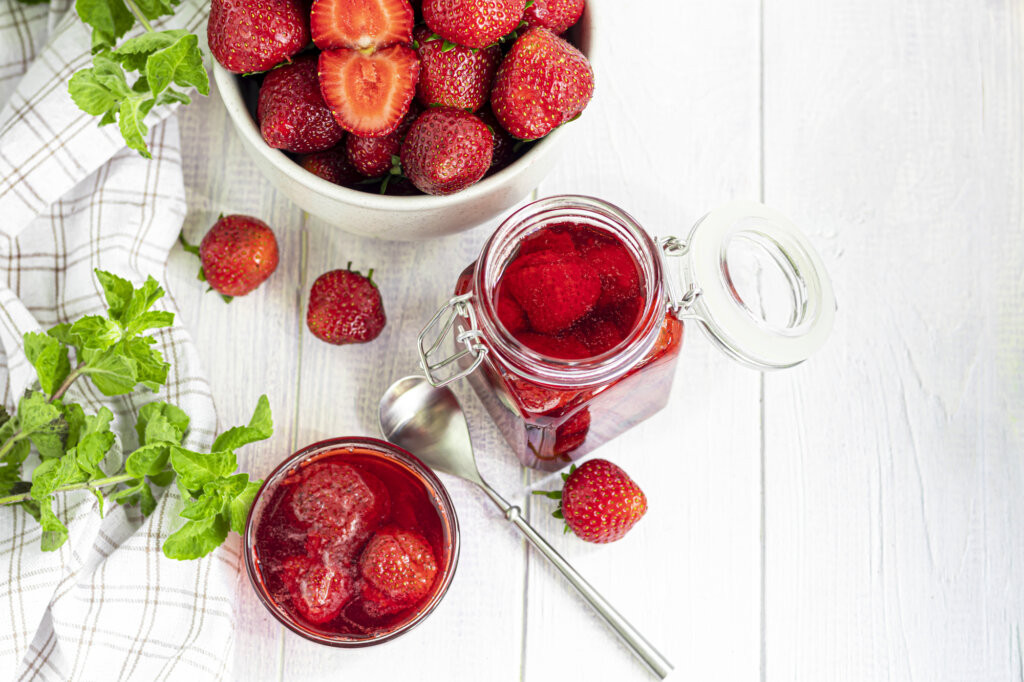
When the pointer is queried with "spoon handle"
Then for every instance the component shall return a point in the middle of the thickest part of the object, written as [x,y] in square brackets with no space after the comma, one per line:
[643,649]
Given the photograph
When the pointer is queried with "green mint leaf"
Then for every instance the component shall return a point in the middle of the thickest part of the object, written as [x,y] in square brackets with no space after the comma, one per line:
[163,479]
[216,496]
[95,333]
[170,414]
[154,319]
[160,430]
[112,374]
[151,370]
[55,533]
[195,469]
[75,418]
[147,503]
[41,422]
[153,9]
[141,300]
[126,493]
[260,427]
[117,291]
[180,64]
[109,19]
[62,332]
[131,114]
[90,95]
[196,538]
[54,473]
[238,508]
[91,451]
[50,359]
[149,460]
[134,52]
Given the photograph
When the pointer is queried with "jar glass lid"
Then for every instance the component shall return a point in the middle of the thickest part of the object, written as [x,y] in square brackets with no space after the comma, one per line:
[756,284]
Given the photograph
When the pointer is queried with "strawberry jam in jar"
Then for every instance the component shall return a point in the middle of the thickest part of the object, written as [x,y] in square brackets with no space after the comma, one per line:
[351,542]
[569,325]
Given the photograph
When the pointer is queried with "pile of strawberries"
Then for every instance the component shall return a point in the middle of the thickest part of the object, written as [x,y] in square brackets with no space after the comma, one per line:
[409,107]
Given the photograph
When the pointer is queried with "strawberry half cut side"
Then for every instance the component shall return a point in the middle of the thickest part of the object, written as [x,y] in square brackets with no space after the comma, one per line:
[360,24]
[369,94]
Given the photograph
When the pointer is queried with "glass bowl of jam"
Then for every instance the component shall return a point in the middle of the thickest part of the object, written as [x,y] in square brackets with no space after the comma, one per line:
[351,542]
[569,324]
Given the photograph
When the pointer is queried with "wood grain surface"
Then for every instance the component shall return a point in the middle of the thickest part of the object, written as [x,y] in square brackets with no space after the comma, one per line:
[859,517]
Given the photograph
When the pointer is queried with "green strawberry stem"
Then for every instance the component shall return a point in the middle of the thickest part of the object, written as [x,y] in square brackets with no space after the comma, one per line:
[88,485]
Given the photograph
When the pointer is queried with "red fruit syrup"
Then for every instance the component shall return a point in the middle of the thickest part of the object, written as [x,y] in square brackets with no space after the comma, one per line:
[351,543]
[575,292]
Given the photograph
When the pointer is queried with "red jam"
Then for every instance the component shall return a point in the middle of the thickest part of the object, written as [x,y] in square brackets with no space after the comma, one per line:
[350,543]
[573,292]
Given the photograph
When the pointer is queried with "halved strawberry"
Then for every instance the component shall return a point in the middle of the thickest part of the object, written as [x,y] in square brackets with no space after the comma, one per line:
[369,94]
[359,24]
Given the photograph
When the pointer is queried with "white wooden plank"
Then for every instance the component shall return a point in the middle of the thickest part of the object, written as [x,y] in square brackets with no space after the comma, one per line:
[672,132]
[249,347]
[893,468]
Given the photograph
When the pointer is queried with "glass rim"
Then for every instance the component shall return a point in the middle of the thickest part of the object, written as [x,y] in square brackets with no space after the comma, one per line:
[436,491]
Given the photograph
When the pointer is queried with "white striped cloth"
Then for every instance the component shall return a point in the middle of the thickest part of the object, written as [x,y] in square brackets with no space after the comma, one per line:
[108,605]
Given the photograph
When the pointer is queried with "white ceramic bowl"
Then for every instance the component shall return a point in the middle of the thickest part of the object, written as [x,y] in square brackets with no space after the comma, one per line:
[396,217]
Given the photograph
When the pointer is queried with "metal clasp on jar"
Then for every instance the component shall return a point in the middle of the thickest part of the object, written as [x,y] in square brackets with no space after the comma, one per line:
[680,302]
[456,308]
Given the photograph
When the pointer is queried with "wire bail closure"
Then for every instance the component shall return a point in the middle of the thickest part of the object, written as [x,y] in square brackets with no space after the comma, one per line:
[456,307]
[680,302]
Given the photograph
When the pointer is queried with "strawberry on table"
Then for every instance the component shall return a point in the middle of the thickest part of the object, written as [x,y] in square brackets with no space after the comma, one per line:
[333,166]
[446,150]
[398,568]
[556,15]
[369,94]
[599,502]
[360,24]
[238,254]
[454,76]
[248,36]
[345,307]
[473,23]
[372,156]
[291,111]
[554,289]
[543,83]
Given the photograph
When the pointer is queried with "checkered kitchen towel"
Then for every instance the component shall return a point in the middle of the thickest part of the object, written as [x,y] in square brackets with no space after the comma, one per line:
[108,605]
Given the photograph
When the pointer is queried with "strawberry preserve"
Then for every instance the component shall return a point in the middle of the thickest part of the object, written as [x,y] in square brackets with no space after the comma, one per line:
[351,542]
[569,324]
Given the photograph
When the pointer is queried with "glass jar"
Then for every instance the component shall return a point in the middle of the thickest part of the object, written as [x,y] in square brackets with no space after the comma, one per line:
[553,411]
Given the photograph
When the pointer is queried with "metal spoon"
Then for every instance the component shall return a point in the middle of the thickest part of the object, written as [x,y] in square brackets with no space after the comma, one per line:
[429,423]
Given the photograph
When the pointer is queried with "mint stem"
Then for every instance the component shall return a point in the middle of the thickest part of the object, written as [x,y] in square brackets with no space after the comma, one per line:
[75,373]
[88,485]
[138,14]
[15,437]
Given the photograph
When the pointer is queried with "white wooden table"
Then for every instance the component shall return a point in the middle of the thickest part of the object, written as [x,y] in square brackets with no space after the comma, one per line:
[860,517]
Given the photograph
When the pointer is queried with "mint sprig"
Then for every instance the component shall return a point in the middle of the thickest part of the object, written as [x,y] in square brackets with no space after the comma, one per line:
[126,81]
[79,451]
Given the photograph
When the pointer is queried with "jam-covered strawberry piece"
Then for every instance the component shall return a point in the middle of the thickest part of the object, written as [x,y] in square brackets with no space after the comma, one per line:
[564,347]
[341,500]
[555,239]
[317,591]
[554,289]
[511,314]
[620,277]
[398,569]
[572,433]
[598,334]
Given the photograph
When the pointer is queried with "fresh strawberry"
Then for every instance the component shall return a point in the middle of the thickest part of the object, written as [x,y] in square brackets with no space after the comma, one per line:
[600,503]
[620,276]
[473,23]
[371,156]
[504,151]
[341,503]
[360,24]
[247,36]
[399,568]
[598,334]
[562,347]
[333,166]
[345,307]
[318,592]
[543,83]
[572,433]
[557,15]
[292,113]
[238,254]
[458,76]
[446,150]
[554,289]
[369,94]
[511,314]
